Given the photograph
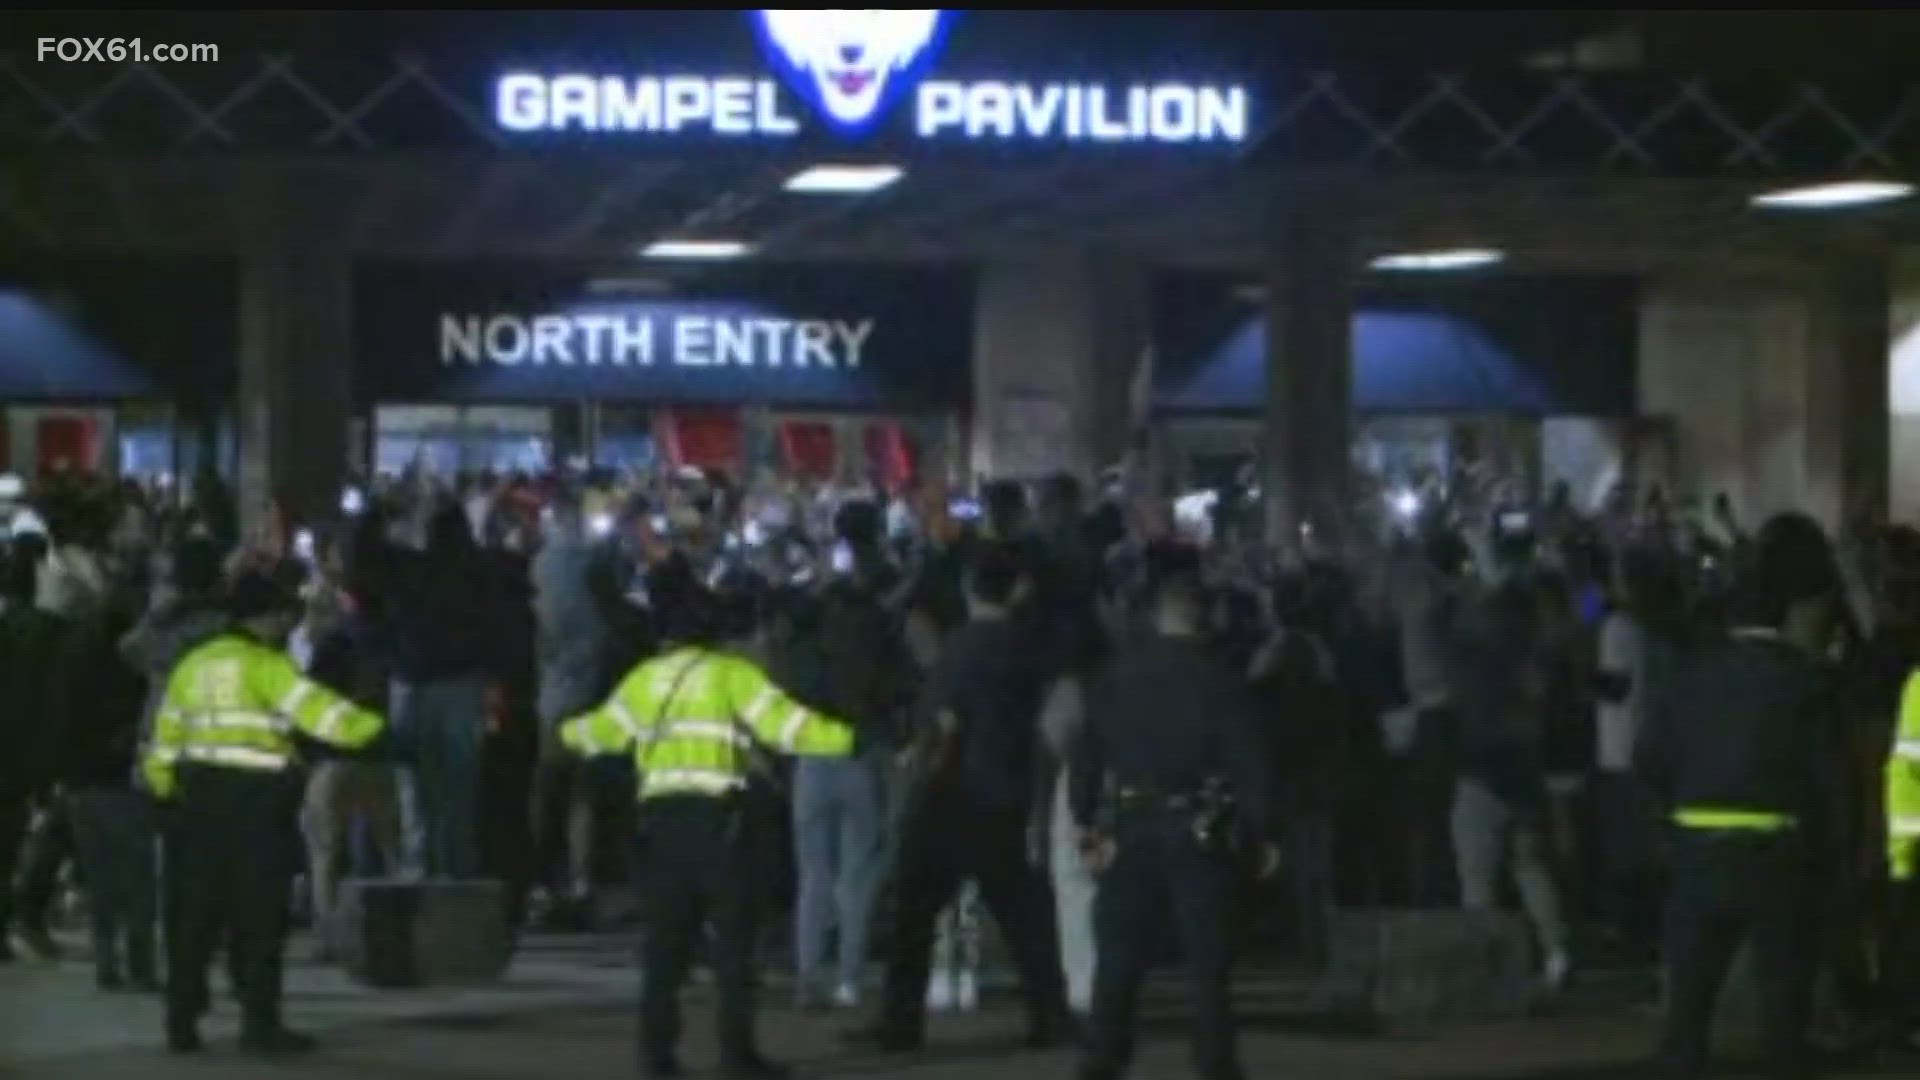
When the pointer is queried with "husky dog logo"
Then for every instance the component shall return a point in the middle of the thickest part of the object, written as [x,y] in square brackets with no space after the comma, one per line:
[846,61]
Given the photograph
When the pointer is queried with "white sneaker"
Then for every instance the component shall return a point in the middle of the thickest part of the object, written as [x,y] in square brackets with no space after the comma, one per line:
[940,991]
[846,996]
[966,992]
[1559,971]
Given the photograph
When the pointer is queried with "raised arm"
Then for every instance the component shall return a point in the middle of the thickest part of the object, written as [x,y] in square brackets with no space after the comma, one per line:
[315,711]
[612,729]
[779,721]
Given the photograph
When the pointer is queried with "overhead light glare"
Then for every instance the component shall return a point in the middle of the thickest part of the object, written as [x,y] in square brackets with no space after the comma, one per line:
[844,179]
[697,249]
[1448,259]
[1839,195]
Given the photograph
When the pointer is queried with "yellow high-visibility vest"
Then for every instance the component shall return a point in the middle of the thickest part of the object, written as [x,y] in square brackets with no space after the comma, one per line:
[690,718]
[1903,787]
[234,703]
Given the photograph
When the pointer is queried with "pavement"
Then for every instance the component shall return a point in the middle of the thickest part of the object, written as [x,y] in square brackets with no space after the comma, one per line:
[567,1008]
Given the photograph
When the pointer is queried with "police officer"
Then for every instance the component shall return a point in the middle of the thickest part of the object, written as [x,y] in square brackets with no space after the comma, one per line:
[693,719]
[1170,755]
[1903,792]
[1743,758]
[234,713]
[1903,858]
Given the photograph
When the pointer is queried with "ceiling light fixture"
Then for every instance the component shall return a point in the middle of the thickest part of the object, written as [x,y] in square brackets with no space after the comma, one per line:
[697,249]
[1839,195]
[844,179]
[1447,259]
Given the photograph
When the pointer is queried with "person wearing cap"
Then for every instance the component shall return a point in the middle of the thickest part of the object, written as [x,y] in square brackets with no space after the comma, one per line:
[1169,731]
[1743,757]
[233,720]
[695,719]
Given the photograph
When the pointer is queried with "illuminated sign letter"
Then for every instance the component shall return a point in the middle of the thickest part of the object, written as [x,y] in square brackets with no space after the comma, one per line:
[687,100]
[733,343]
[942,105]
[552,339]
[853,338]
[732,107]
[1039,108]
[506,340]
[990,110]
[1223,114]
[571,103]
[1099,124]
[1173,113]
[629,105]
[693,341]
[520,102]
[459,339]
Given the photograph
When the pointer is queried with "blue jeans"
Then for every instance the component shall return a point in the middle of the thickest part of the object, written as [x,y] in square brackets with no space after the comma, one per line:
[437,725]
[840,843]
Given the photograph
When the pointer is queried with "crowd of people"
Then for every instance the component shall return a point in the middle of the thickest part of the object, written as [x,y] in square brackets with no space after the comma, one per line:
[1459,701]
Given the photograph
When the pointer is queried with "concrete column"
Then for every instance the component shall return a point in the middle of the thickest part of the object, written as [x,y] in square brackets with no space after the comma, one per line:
[1056,343]
[1308,434]
[1904,386]
[1849,445]
[295,393]
[1778,391]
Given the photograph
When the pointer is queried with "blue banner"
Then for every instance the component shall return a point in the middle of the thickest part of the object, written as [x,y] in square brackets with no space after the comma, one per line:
[797,336]
[1513,347]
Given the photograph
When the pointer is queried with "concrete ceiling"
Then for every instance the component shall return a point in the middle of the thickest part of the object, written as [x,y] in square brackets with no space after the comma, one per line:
[1204,212]
[295,140]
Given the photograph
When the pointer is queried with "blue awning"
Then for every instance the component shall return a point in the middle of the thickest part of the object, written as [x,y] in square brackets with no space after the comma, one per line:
[1533,349]
[106,329]
[46,356]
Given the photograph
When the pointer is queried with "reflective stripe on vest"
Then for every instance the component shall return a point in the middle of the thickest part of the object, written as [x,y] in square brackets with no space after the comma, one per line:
[683,781]
[790,731]
[1721,819]
[235,757]
[761,702]
[327,728]
[705,730]
[624,718]
[1903,826]
[1907,749]
[295,696]
[237,720]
